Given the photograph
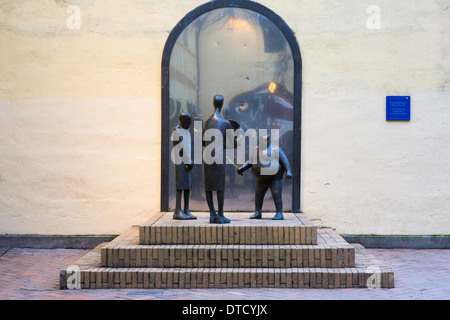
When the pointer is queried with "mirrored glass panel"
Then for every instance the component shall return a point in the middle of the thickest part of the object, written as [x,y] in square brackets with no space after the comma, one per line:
[243,56]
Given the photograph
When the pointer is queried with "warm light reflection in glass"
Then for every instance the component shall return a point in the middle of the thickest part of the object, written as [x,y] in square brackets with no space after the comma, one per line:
[238,25]
[272,87]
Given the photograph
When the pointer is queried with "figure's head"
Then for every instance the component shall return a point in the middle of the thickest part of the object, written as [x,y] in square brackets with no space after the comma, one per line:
[185,120]
[218,101]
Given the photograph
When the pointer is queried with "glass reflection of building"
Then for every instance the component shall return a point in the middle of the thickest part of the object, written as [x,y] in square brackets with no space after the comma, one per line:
[243,56]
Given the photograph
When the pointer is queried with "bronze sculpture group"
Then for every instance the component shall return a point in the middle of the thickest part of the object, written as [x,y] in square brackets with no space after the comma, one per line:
[214,172]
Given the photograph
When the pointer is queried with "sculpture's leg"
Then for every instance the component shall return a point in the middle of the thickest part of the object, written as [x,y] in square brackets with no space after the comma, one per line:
[178,214]
[186,205]
[220,201]
[276,187]
[212,211]
[260,192]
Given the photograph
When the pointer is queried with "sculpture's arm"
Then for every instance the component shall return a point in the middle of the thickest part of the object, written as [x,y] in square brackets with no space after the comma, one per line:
[285,164]
[244,167]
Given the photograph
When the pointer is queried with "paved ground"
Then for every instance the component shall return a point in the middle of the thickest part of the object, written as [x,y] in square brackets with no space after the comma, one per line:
[34,274]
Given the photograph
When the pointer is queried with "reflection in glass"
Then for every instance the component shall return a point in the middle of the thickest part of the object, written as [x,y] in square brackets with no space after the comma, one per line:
[243,56]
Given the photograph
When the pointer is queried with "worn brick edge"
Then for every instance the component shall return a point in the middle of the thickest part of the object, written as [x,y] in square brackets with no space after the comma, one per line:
[368,271]
[331,251]
[304,233]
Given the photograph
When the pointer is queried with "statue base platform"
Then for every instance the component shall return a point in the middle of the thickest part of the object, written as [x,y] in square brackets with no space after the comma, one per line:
[246,253]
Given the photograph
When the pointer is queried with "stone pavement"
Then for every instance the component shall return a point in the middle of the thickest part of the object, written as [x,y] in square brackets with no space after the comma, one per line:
[34,274]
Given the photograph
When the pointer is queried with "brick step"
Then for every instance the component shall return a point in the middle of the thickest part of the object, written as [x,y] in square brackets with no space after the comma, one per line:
[307,257]
[294,229]
[88,274]
[332,251]
[231,256]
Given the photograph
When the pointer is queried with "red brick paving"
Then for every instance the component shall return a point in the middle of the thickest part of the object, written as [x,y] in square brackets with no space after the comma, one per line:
[27,274]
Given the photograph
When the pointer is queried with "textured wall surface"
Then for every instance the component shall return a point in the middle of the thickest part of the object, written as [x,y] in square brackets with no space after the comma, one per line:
[80,113]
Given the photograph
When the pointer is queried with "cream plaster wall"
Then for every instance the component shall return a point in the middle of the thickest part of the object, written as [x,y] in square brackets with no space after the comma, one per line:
[80,114]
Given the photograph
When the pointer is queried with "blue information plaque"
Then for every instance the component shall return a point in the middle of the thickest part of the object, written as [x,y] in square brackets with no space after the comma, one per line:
[398,108]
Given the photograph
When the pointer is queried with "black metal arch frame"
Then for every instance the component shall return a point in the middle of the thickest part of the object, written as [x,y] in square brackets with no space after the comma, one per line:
[165,78]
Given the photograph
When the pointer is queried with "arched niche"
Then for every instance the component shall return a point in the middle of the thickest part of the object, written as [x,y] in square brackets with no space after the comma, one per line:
[247,53]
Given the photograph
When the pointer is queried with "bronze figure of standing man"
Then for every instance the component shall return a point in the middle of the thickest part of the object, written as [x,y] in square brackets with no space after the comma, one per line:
[214,171]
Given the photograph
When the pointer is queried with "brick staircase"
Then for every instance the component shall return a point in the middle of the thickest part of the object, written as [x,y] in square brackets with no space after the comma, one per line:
[165,253]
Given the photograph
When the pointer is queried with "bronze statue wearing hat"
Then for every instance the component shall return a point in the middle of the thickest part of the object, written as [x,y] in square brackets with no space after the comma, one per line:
[269,165]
